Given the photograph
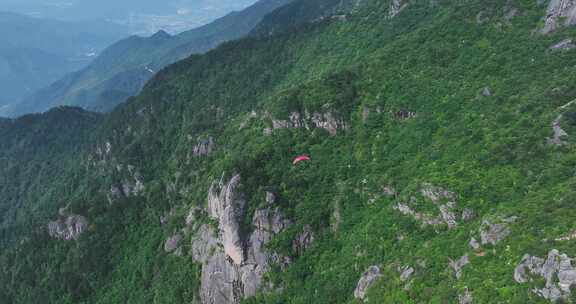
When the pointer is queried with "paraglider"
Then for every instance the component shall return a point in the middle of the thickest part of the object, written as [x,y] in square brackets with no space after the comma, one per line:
[300,158]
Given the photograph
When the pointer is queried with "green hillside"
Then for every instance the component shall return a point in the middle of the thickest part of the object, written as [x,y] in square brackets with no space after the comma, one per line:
[442,168]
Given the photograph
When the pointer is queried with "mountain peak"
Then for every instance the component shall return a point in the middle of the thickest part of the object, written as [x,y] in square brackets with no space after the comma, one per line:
[161,35]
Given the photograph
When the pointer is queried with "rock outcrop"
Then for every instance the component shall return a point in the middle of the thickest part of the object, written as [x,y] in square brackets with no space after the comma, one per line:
[406,272]
[465,298]
[68,227]
[226,205]
[173,243]
[233,267]
[326,120]
[369,277]
[557,138]
[560,13]
[458,264]
[566,44]
[396,6]
[203,147]
[556,270]
[493,233]
[303,240]
[444,200]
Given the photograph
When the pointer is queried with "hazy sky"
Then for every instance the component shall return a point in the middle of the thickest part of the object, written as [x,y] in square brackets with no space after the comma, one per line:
[143,16]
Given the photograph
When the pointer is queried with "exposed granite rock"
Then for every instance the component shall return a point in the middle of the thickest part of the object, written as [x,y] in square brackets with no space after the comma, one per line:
[326,120]
[203,147]
[447,215]
[204,244]
[303,241]
[446,202]
[406,273]
[559,11]
[559,133]
[173,242]
[568,237]
[467,215]
[233,269]
[491,233]
[556,269]
[369,277]
[396,6]
[457,265]
[68,228]
[486,92]
[474,244]
[226,206]
[566,44]
[389,191]
[435,194]
[465,298]
[404,115]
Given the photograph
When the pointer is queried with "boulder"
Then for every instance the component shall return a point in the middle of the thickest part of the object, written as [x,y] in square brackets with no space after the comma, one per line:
[465,298]
[559,13]
[396,6]
[406,273]
[203,147]
[303,240]
[566,44]
[68,228]
[493,233]
[457,265]
[173,242]
[556,270]
[369,277]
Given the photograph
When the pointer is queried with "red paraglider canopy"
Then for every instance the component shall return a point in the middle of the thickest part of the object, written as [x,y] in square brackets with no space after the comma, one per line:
[300,158]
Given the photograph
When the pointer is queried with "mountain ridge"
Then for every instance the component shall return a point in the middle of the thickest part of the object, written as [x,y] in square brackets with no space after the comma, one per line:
[139,57]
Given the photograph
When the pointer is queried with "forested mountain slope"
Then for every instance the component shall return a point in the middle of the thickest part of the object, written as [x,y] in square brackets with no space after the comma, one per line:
[123,68]
[441,171]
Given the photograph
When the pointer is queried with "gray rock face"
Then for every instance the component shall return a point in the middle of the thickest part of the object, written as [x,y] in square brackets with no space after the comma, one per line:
[467,214]
[173,242]
[465,298]
[559,13]
[226,206]
[303,241]
[559,133]
[368,279]
[567,237]
[68,228]
[566,44]
[326,120]
[474,244]
[486,92]
[444,200]
[457,265]
[396,6]
[406,273]
[556,269]
[203,147]
[233,269]
[493,233]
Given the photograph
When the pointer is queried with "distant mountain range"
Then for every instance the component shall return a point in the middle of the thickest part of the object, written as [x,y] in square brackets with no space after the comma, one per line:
[141,16]
[35,52]
[123,68]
